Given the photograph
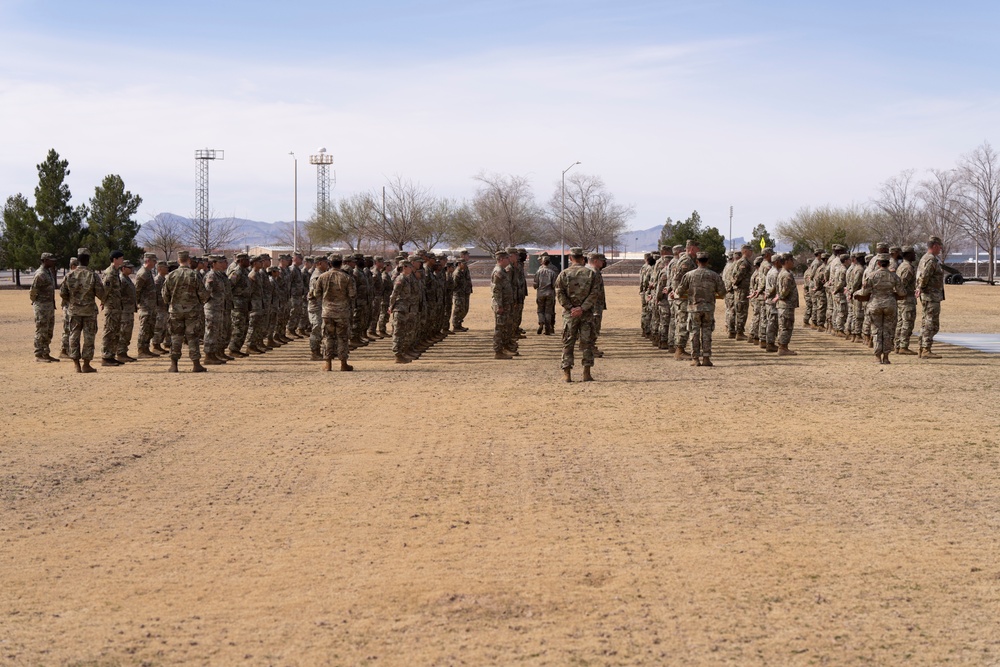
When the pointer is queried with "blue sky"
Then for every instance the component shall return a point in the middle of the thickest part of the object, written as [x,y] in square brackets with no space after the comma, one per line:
[768,106]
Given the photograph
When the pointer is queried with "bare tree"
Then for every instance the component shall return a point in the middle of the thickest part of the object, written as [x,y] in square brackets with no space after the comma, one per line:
[446,220]
[504,213]
[941,196]
[901,218]
[406,207]
[212,234]
[824,226]
[352,221]
[593,218]
[162,233]
[284,236]
[980,201]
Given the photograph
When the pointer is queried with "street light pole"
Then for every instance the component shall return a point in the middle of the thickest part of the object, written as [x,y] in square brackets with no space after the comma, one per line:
[295,219]
[562,223]
[730,229]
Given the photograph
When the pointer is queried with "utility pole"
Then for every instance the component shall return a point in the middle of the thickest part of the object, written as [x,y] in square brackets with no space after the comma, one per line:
[295,219]
[730,229]
[562,225]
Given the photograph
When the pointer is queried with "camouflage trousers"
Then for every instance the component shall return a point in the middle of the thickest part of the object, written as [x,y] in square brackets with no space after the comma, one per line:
[701,324]
[125,332]
[730,313]
[665,321]
[256,321]
[460,310]
[819,308]
[598,321]
[741,304]
[654,315]
[866,327]
[883,328]
[239,322]
[281,315]
[316,333]
[758,308]
[215,341]
[295,306]
[906,317]
[786,322]
[336,338]
[160,333]
[930,323]
[112,329]
[680,322]
[147,327]
[359,319]
[646,315]
[518,313]
[45,324]
[839,312]
[546,307]
[769,324]
[66,330]
[857,316]
[85,327]
[501,330]
[808,298]
[401,324]
[449,305]
[373,315]
[829,305]
[510,328]
[383,318]
[185,326]
[578,329]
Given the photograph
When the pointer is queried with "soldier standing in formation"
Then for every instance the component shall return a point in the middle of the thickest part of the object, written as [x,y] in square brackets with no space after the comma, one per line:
[64,350]
[907,315]
[462,292]
[80,290]
[43,302]
[112,307]
[145,296]
[576,292]
[882,289]
[700,287]
[930,291]
[127,313]
[185,294]
[336,291]
[545,296]
[645,276]
[786,301]
[502,302]
[597,262]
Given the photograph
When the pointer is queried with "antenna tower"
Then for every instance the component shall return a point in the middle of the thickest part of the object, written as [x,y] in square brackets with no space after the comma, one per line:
[201,159]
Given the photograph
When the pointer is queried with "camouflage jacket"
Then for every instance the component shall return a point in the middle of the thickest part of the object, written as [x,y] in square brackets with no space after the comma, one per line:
[908,278]
[701,287]
[930,278]
[463,281]
[681,266]
[852,283]
[404,297]
[545,281]
[183,291]
[112,288]
[158,290]
[502,292]
[216,289]
[787,291]
[145,289]
[335,291]
[296,288]
[818,279]
[43,288]
[238,278]
[882,287]
[602,300]
[575,288]
[313,304]
[741,275]
[128,294]
[79,289]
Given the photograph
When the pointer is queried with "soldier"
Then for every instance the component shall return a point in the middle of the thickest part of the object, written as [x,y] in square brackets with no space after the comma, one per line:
[377,304]
[128,313]
[645,278]
[336,291]
[449,293]
[215,312]
[521,294]
[871,261]
[786,300]
[402,302]
[64,352]
[502,297]
[930,291]
[769,342]
[727,280]
[160,333]
[545,297]
[663,295]
[577,295]
[855,278]
[315,309]
[513,315]
[597,262]
[43,302]
[145,296]
[807,312]
[742,273]
[701,287]
[907,314]
[79,290]
[296,297]
[383,315]
[112,307]
[883,288]
[753,298]
[463,290]
[682,265]
[817,282]
[184,293]
[308,267]
[240,288]
[256,313]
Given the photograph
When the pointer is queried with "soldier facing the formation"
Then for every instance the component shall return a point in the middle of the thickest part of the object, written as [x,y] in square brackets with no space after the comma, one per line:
[577,294]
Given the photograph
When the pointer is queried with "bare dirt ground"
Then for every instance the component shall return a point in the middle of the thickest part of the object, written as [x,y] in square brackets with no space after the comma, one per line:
[820,509]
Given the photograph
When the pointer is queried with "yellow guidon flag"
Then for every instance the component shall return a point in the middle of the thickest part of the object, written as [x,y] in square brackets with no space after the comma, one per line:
[762,243]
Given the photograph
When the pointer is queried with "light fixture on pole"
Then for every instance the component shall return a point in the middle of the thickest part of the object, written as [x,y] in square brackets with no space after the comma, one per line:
[295,218]
[730,229]
[562,222]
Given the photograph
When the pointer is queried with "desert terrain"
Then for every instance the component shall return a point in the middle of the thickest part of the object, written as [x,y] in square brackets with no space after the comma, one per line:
[811,510]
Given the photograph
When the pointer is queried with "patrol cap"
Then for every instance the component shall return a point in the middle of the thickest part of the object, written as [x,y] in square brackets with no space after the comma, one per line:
[768,250]
[665,247]
[83,251]
[128,265]
[510,249]
[183,255]
[264,255]
[462,251]
[576,252]
[882,257]
[820,251]
[746,246]
[758,260]
[149,255]
[859,255]
[895,248]
[49,255]
[500,254]
[647,255]
[595,255]
[379,258]
[242,255]
[274,269]
[677,248]
[935,240]
[838,246]
[161,262]
[692,243]
[701,255]
[405,262]
[907,248]
[417,257]
[335,257]
[845,257]
[825,255]
[881,245]
[656,253]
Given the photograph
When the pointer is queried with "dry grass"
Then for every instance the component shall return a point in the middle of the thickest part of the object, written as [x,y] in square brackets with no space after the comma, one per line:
[819,509]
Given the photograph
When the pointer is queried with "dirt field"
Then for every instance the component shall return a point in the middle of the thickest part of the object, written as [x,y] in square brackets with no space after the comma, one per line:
[820,509]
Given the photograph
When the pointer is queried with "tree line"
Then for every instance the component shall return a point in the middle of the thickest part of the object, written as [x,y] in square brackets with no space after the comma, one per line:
[961,205]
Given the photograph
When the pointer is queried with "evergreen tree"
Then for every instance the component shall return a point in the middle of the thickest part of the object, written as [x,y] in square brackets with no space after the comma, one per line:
[60,228]
[111,223]
[760,232]
[709,239]
[19,235]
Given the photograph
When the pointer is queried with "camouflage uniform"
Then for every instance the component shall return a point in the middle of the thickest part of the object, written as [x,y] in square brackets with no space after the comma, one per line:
[257,313]
[818,282]
[305,322]
[742,272]
[160,333]
[463,288]
[930,282]
[769,318]
[215,313]
[681,266]
[296,298]
[838,282]
[314,308]
[602,299]
[79,289]
[788,300]
[43,301]
[240,287]
[112,312]
[645,277]
[502,297]
[807,288]
[128,315]
[145,294]
[383,315]
[403,302]
[544,283]
[184,293]
[727,281]
[854,279]
[575,288]
[376,302]
[701,287]
[883,286]
[335,291]
[907,308]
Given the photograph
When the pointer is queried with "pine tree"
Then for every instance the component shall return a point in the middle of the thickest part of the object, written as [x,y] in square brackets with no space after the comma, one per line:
[19,236]
[111,223]
[60,228]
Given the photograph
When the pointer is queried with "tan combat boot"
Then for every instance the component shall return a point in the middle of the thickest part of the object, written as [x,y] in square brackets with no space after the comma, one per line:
[681,355]
[695,361]
[315,356]
[770,347]
[173,366]
[930,355]
[502,355]
[145,353]
[211,360]
[196,367]
[885,358]
[327,364]
[905,351]
[76,363]
[568,374]
[741,336]
[587,377]
[706,361]
[344,366]
[402,359]
[87,368]
[783,351]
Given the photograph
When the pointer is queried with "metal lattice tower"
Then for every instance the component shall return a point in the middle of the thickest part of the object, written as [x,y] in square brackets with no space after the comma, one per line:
[322,160]
[201,160]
